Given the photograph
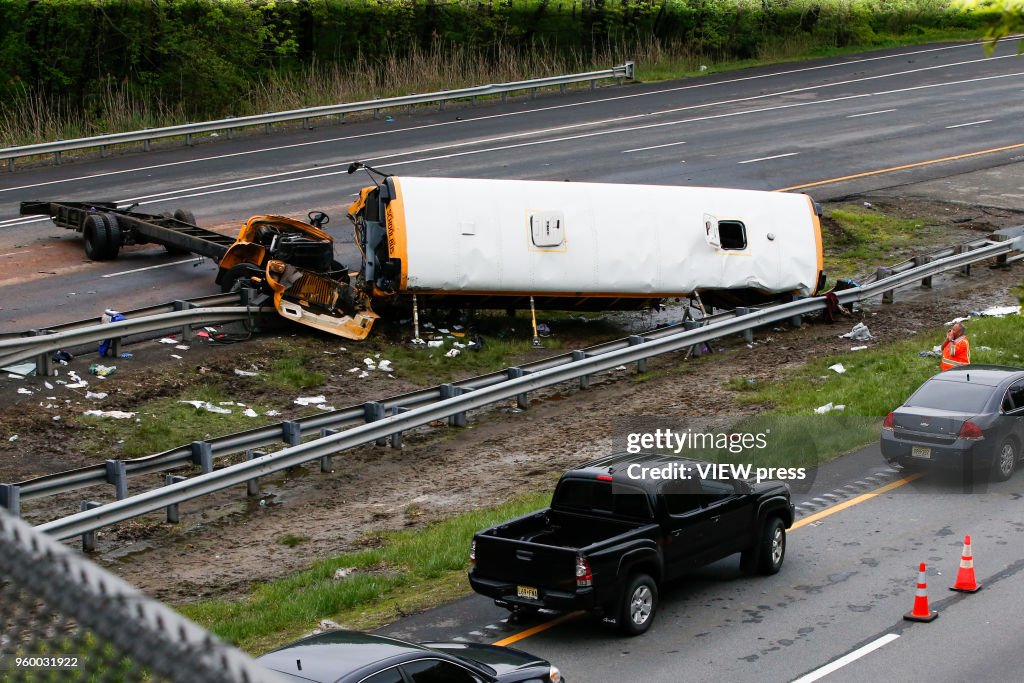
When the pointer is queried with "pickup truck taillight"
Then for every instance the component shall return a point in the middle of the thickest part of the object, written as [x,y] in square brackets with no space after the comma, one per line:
[971,431]
[472,553]
[583,575]
[890,422]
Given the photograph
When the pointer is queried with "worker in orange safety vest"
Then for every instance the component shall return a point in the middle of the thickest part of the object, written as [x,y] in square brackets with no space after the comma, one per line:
[956,351]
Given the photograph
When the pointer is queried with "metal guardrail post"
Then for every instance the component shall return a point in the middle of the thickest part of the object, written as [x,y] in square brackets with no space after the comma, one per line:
[252,487]
[926,282]
[291,432]
[186,329]
[451,391]
[963,249]
[89,537]
[202,455]
[10,498]
[117,474]
[696,349]
[522,400]
[326,462]
[373,411]
[888,296]
[584,379]
[641,365]
[396,438]
[748,334]
[44,365]
[173,516]
[798,320]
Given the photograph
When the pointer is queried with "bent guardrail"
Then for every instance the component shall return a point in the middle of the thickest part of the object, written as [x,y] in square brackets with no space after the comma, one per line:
[465,398]
[623,71]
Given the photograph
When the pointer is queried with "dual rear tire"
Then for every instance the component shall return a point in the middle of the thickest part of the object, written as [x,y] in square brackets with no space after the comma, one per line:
[102,236]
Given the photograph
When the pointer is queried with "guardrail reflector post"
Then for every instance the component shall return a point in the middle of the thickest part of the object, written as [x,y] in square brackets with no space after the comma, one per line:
[252,487]
[173,516]
[373,411]
[326,463]
[10,498]
[748,335]
[584,379]
[89,537]
[641,365]
[888,295]
[202,455]
[117,475]
[396,438]
[291,432]
[926,283]
[522,400]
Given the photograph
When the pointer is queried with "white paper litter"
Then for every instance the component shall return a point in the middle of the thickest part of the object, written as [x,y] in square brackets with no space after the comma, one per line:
[452,353]
[369,361]
[857,348]
[245,373]
[322,406]
[168,340]
[458,345]
[1000,311]
[957,320]
[174,355]
[13,438]
[984,348]
[206,405]
[838,367]
[444,330]
[353,370]
[183,347]
[47,385]
[620,367]
[99,395]
[362,375]
[272,413]
[116,414]
[859,332]
[23,390]
[434,344]
[249,412]
[828,408]
[77,385]
[385,366]
[310,400]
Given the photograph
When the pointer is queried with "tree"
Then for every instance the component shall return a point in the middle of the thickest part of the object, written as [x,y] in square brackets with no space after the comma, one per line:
[1002,18]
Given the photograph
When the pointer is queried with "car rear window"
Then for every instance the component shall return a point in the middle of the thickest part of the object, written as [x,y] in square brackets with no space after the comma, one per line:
[956,396]
[591,495]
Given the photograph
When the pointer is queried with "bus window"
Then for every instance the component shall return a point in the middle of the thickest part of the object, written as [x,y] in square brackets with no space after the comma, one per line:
[732,234]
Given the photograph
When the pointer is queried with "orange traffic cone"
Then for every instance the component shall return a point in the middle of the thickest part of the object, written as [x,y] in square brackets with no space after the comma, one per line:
[921,611]
[965,580]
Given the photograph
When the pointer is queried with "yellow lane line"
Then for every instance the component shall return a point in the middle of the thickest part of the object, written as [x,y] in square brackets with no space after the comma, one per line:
[539,628]
[903,167]
[853,501]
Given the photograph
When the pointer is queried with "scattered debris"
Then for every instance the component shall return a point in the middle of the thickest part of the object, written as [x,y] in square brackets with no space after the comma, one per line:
[859,332]
[206,405]
[310,400]
[174,355]
[385,366]
[21,369]
[433,344]
[1000,311]
[249,412]
[13,438]
[168,340]
[116,414]
[838,368]
[98,395]
[109,316]
[272,413]
[828,408]
[127,355]
[23,390]
[984,348]
[858,348]
[101,370]
[245,373]
[61,356]
[344,573]
[452,353]
[363,375]
[182,347]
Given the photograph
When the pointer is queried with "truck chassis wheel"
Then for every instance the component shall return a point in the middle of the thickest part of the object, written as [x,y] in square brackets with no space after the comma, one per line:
[639,603]
[102,234]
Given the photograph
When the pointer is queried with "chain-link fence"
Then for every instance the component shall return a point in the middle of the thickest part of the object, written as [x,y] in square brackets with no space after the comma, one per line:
[63,618]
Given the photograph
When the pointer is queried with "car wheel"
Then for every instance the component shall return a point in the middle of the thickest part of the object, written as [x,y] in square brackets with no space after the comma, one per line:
[773,547]
[639,603]
[1005,462]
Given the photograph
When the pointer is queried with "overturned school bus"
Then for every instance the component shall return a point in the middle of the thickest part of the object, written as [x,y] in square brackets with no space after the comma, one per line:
[467,243]
[566,245]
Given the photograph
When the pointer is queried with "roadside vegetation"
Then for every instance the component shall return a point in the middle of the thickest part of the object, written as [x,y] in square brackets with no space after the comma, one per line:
[398,573]
[856,239]
[135,65]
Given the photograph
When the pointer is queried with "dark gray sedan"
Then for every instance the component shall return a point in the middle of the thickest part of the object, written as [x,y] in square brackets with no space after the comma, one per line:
[966,417]
[353,657]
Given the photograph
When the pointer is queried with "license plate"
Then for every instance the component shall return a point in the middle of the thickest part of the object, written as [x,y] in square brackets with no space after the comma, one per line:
[921,452]
[527,592]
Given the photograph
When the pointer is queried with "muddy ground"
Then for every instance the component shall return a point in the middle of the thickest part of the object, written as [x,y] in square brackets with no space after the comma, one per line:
[226,542]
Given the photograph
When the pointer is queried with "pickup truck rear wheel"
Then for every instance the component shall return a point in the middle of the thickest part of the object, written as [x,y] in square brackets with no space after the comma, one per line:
[773,547]
[639,603]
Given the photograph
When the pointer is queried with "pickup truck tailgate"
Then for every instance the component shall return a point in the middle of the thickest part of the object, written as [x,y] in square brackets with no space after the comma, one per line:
[521,562]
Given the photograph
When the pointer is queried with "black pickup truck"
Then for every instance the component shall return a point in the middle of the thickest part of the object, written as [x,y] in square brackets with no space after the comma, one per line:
[609,539]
